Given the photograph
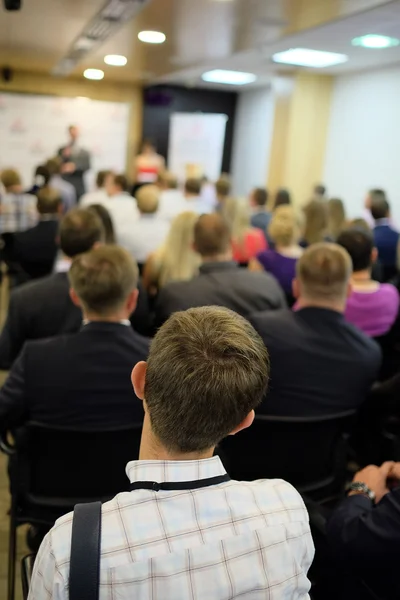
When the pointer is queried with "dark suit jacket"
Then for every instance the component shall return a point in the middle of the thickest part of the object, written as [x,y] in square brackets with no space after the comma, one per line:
[365,540]
[320,364]
[36,249]
[221,284]
[76,380]
[81,158]
[43,308]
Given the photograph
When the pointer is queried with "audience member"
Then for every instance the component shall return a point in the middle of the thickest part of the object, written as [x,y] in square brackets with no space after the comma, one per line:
[66,189]
[201,535]
[41,178]
[99,195]
[82,379]
[375,194]
[150,231]
[321,364]
[385,236]
[194,201]
[36,249]
[364,534]
[17,209]
[316,225]
[172,201]
[247,241]
[104,216]
[148,164]
[372,306]
[261,216]
[122,208]
[282,197]
[43,308]
[223,189]
[75,161]
[285,230]
[319,192]
[336,218]
[220,282]
[175,260]
[208,193]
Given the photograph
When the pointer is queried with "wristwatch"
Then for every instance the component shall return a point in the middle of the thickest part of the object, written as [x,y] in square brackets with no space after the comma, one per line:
[361,488]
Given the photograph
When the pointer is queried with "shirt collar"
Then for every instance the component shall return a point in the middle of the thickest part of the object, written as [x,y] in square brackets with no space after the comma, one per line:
[125,322]
[384,221]
[174,470]
[211,267]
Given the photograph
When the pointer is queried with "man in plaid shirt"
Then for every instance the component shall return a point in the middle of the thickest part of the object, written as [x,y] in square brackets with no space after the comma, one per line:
[17,210]
[185,530]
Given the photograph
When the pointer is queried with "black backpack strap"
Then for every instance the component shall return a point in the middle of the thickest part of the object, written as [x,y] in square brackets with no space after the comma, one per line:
[84,575]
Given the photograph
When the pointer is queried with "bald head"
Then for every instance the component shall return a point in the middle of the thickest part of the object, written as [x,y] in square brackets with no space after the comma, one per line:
[212,236]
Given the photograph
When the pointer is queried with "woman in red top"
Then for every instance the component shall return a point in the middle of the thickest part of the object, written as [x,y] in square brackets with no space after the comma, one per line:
[247,241]
[148,165]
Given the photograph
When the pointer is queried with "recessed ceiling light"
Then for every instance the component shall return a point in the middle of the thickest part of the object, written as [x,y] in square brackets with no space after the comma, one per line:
[228,77]
[375,41]
[152,37]
[305,57]
[93,74]
[115,60]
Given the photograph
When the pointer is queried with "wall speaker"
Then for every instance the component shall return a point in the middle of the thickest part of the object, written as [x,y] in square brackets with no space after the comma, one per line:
[12,4]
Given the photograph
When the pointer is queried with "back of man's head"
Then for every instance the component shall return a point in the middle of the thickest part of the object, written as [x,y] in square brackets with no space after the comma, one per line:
[212,236]
[193,186]
[320,190]
[260,197]
[103,279]
[117,183]
[359,243]
[379,205]
[101,178]
[80,230]
[147,198]
[323,274]
[53,165]
[223,186]
[167,180]
[10,178]
[48,201]
[207,370]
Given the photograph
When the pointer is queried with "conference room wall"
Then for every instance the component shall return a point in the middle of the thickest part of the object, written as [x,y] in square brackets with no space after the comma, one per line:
[363,145]
[31,83]
[252,139]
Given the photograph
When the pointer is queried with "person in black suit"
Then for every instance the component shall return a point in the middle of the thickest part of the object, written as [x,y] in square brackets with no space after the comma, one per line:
[221,282]
[320,364]
[364,535]
[75,161]
[35,249]
[83,379]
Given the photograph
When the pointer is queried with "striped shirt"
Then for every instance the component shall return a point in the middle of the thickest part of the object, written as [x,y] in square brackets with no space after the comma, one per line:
[18,212]
[247,540]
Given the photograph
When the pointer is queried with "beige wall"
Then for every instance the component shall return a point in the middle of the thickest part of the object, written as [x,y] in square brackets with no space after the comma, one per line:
[299,141]
[96,90]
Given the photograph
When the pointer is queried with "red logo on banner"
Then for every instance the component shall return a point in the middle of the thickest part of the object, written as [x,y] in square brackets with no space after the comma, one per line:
[18,126]
[37,147]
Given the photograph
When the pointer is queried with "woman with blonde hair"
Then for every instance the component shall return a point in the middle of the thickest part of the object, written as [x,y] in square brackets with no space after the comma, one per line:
[175,260]
[285,230]
[316,223]
[336,218]
[247,241]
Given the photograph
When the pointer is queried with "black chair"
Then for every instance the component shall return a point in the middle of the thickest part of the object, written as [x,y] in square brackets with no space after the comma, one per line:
[26,574]
[51,469]
[310,453]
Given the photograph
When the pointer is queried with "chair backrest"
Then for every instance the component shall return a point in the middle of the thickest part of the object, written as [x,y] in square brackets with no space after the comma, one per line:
[307,452]
[54,462]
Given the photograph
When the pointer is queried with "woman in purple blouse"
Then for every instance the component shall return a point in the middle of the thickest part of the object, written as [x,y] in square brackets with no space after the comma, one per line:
[285,230]
[373,307]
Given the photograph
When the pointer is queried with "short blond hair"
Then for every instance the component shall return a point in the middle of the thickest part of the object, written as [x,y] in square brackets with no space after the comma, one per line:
[207,370]
[103,278]
[286,225]
[147,198]
[168,179]
[10,177]
[324,272]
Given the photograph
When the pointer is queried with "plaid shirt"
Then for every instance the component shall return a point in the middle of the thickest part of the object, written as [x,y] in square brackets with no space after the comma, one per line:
[247,540]
[18,212]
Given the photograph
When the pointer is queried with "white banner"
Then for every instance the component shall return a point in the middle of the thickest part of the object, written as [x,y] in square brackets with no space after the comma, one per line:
[196,144]
[33,128]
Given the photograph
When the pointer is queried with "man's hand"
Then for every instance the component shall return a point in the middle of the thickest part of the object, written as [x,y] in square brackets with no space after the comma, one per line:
[68,167]
[376,478]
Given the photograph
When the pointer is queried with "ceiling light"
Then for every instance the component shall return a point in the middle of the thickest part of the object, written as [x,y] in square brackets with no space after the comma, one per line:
[93,74]
[375,41]
[152,37]
[115,60]
[305,57]
[228,77]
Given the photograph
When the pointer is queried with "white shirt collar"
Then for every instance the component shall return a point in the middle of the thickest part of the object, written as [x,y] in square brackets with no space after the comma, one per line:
[174,470]
[125,322]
